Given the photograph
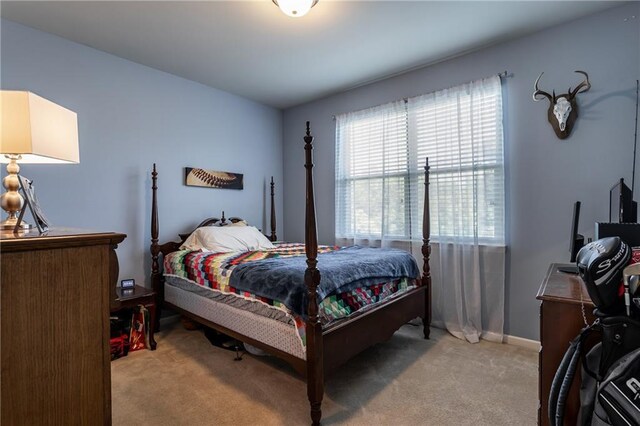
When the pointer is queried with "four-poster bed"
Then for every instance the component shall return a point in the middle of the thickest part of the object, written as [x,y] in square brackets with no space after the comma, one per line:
[327,345]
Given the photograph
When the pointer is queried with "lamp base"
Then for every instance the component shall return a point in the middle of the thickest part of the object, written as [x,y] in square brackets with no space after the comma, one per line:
[9,224]
[11,201]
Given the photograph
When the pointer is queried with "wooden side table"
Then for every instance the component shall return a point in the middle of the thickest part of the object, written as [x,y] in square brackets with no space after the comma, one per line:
[561,320]
[138,295]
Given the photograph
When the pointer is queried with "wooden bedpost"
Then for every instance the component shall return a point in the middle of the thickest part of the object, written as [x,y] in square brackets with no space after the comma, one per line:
[426,252]
[315,361]
[156,277]
[273,212]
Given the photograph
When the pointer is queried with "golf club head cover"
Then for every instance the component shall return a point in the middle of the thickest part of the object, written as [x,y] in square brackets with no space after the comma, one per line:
[600,264]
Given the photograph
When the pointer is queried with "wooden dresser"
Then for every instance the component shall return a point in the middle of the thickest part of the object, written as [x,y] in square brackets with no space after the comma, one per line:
[55,292]
[560,322]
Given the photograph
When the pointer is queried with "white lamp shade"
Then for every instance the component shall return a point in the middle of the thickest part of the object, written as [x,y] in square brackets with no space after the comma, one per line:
[37,129]
[295,8]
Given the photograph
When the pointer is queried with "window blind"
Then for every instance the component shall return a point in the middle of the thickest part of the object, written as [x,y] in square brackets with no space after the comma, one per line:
[372,169]
[380,155]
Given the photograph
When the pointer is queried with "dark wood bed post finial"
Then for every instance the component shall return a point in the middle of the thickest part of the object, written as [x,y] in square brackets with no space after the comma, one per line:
[426,252]
[156,278]
[273,212]
[315,362]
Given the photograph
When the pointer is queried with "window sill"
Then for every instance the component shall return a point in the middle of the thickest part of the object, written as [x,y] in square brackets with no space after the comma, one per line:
[399,242]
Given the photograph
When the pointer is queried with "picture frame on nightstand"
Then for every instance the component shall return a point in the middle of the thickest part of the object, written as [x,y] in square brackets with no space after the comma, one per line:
[31,202]
[128,283]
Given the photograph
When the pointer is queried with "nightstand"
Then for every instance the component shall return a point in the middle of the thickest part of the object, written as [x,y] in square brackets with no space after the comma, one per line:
[138,295]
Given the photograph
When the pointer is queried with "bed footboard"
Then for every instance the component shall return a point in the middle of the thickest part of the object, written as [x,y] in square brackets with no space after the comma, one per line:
[355,335]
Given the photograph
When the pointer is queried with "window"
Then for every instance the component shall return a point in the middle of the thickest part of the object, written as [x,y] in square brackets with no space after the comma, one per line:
[380,155]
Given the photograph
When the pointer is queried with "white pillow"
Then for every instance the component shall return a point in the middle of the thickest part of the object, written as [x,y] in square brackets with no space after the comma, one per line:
[238,223]
[225,239]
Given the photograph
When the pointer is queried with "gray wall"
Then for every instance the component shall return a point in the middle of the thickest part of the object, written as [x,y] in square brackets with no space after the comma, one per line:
[544,175]
[130,116]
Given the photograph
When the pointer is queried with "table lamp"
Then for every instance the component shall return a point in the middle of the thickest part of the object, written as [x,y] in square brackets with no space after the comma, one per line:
[34,130]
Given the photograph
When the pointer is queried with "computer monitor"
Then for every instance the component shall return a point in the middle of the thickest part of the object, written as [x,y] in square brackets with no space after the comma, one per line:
[622,208]
[576,241]
[628,232]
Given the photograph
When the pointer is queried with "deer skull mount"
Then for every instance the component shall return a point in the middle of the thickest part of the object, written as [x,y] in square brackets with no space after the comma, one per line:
[563,109]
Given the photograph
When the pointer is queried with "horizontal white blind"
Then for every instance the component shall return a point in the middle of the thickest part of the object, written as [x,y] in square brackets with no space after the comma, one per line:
[380,154]
[371,170]
[460,131]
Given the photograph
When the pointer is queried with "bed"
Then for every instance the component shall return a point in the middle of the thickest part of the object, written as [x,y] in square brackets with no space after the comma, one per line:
[315,323]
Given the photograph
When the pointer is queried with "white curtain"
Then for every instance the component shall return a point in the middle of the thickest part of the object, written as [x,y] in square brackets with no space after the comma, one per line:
[380,155]
[460,130]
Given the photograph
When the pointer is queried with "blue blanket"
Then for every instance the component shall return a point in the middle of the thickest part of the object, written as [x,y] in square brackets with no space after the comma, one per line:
[342,270]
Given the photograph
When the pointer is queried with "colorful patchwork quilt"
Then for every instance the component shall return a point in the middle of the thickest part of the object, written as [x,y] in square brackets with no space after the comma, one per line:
[214,271]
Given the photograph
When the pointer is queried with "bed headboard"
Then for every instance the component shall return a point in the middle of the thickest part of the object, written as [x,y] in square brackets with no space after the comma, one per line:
[157,249]
[214,221]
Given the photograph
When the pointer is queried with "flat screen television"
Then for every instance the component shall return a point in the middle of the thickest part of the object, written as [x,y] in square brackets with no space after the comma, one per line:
[622,208]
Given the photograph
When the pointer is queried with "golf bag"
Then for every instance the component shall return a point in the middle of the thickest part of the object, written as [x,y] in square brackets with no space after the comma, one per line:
[610,391]
[618,397]
[614,360]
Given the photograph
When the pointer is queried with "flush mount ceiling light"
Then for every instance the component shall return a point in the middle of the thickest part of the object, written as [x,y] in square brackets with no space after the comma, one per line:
[295,8]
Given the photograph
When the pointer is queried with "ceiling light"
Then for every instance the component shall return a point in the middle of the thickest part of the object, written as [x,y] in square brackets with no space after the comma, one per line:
[295,8]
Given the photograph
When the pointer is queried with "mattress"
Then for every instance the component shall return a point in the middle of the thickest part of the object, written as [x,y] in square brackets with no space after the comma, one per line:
[273,332]
[253,319]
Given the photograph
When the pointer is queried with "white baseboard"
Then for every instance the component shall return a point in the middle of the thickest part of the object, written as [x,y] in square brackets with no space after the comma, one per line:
[532,345]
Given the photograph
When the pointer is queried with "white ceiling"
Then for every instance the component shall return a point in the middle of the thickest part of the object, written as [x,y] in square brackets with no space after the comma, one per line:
[252,49]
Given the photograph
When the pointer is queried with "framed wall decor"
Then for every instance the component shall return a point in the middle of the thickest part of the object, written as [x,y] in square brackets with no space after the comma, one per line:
[212,178]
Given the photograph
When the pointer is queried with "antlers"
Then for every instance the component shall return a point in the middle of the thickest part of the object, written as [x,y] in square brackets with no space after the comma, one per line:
[582,87]
[579,88]
[541,92]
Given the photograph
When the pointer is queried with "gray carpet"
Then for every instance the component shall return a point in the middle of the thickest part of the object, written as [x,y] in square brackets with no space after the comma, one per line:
[405,381]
